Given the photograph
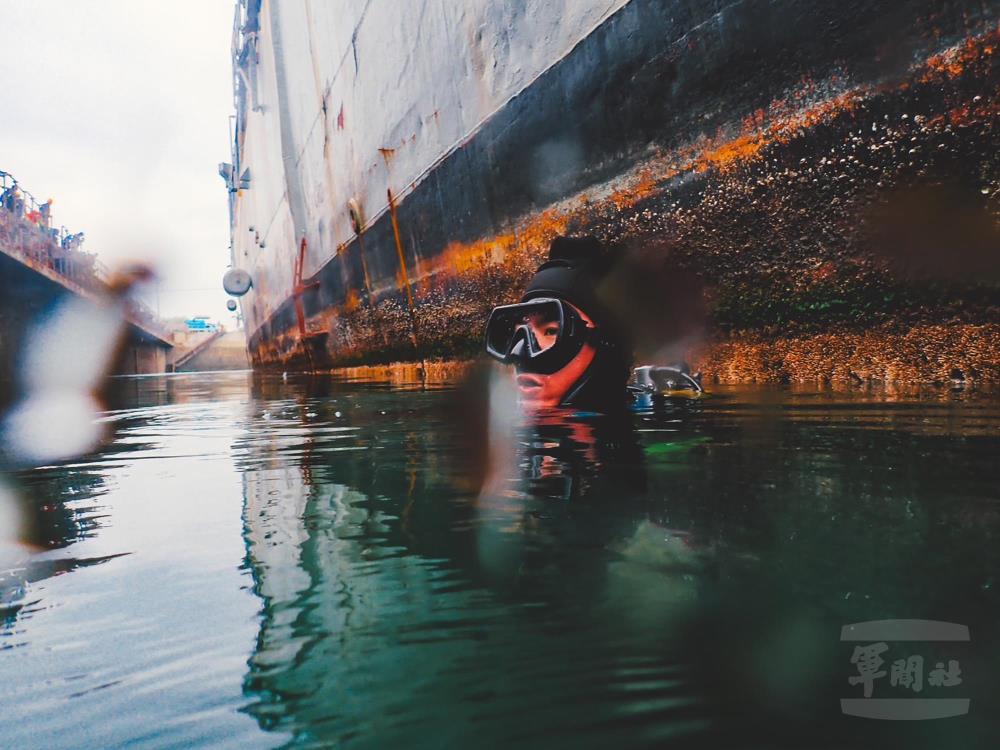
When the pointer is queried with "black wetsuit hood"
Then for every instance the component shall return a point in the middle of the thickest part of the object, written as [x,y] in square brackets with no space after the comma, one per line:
[572,273]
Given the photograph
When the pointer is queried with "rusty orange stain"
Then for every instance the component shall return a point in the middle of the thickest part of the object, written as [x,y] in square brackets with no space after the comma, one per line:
[403,280]
[352,301]
[988,109]
[954,60]
[300,315]
[543,228]
[459,258]
[817,114]
[778,124]
[387,154]
[731,153]
[644,186]
[364,264]
[782,121]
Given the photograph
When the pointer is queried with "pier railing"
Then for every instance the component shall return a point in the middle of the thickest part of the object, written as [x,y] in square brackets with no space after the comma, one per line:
[27,234]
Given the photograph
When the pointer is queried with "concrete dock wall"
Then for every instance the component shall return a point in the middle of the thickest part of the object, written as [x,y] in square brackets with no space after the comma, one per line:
[27,296]
[226,352]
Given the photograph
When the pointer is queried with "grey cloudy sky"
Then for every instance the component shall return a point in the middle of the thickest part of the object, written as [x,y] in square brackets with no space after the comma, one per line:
[118,110]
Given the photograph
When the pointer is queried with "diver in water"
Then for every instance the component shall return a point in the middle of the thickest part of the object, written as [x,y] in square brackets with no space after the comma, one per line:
[568,348]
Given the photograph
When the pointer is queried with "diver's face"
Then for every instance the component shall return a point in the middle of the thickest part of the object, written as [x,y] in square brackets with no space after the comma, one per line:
[539,391]
[544,327]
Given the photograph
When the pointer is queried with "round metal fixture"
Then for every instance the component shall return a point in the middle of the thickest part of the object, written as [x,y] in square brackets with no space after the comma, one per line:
[237,282]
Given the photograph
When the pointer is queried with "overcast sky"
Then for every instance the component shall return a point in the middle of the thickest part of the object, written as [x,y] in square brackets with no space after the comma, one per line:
[119,111]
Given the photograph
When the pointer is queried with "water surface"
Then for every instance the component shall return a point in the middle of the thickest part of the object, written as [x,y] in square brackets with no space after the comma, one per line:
[255,562]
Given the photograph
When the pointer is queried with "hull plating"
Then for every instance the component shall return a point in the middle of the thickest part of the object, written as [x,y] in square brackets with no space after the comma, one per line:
[746,144]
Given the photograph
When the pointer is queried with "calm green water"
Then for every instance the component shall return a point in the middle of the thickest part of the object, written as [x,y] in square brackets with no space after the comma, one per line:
[258,563]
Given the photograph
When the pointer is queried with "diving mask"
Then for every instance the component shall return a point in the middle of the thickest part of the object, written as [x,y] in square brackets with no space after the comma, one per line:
[540,336]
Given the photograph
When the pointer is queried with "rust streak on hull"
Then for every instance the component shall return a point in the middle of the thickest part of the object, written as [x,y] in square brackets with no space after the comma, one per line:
[404,279]
[774,215]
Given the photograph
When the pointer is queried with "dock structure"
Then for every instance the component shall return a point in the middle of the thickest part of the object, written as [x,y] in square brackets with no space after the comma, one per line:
[217,350]
[39,266]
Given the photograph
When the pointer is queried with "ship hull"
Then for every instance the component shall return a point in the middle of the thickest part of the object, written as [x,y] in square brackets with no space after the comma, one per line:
[745,143]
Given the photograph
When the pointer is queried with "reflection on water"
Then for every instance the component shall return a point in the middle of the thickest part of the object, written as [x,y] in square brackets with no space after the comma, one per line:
[147,648]
[681,575]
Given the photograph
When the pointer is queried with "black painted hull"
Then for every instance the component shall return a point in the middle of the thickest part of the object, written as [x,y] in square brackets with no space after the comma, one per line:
[749,137]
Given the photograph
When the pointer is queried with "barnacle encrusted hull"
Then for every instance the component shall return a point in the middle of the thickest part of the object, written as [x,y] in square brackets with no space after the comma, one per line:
[829,172]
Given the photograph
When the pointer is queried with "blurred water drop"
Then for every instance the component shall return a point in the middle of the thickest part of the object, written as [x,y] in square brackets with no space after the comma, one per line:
[53,426]
[72,347]
[63,369]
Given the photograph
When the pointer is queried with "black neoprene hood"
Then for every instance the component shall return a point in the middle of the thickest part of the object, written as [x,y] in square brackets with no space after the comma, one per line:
[572,273]
[575,264]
